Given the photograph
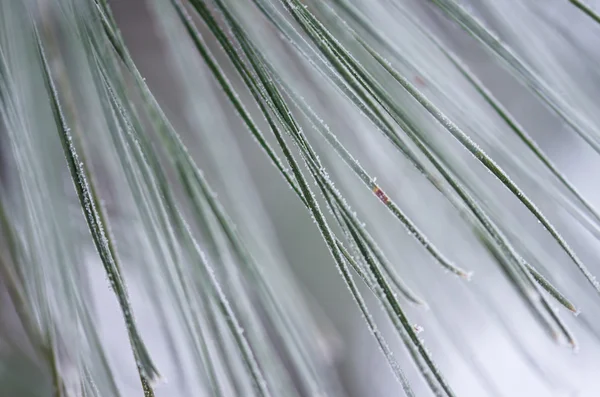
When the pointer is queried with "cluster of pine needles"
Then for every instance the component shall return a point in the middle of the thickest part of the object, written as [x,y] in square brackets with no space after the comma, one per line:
[96,174]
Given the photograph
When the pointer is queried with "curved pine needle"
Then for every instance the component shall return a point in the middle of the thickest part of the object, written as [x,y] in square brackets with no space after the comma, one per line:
[564,329]
[551,289]
[521,133]
[589,11]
